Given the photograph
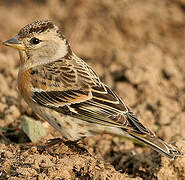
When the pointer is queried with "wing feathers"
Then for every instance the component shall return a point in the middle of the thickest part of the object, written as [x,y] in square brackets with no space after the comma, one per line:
[79,88]
[71,87]
[158,145]
[134,122]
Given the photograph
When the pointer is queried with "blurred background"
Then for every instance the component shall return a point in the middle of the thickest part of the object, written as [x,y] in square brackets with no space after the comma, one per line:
[136,46]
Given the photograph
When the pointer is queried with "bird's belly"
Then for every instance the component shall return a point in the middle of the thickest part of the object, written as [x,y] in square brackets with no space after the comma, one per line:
[73,128]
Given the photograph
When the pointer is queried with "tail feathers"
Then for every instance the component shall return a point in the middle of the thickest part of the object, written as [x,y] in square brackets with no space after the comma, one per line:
[158,145]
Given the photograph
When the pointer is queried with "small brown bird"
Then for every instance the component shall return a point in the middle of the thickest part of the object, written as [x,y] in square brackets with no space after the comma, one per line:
[62,89]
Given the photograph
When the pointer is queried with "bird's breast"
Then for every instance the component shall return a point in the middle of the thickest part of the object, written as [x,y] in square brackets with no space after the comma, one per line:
[24,85]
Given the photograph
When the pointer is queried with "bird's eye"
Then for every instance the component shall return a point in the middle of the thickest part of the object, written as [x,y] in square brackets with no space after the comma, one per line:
[35,40]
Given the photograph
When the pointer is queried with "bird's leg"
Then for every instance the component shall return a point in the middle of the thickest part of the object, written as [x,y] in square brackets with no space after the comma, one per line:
[49,144]
[74,145]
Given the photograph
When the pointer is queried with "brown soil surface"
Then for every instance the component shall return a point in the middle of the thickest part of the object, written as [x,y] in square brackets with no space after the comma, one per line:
[138,48]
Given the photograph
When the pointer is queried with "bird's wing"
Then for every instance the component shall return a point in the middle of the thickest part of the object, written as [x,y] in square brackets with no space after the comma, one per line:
[74,89]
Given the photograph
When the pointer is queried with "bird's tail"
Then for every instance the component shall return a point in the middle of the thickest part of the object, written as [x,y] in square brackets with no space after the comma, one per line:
[157,144]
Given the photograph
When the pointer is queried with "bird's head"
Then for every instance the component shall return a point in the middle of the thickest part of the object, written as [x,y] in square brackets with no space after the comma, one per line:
[40,42]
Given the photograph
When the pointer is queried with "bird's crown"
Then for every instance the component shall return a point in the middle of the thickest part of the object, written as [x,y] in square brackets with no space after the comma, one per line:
[36,27]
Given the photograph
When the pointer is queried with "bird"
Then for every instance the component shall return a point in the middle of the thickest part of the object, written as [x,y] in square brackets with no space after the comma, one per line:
[64,90]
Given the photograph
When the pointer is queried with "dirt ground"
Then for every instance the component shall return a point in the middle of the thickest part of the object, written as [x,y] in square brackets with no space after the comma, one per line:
[138,48]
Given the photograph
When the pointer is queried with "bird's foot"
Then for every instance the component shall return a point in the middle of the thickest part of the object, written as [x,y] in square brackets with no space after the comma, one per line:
[49,144]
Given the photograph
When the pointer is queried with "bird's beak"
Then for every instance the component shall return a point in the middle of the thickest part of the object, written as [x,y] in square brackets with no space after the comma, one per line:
[14,43]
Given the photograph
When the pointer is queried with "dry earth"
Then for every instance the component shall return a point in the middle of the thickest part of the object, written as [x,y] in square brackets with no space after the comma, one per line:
[138,48]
